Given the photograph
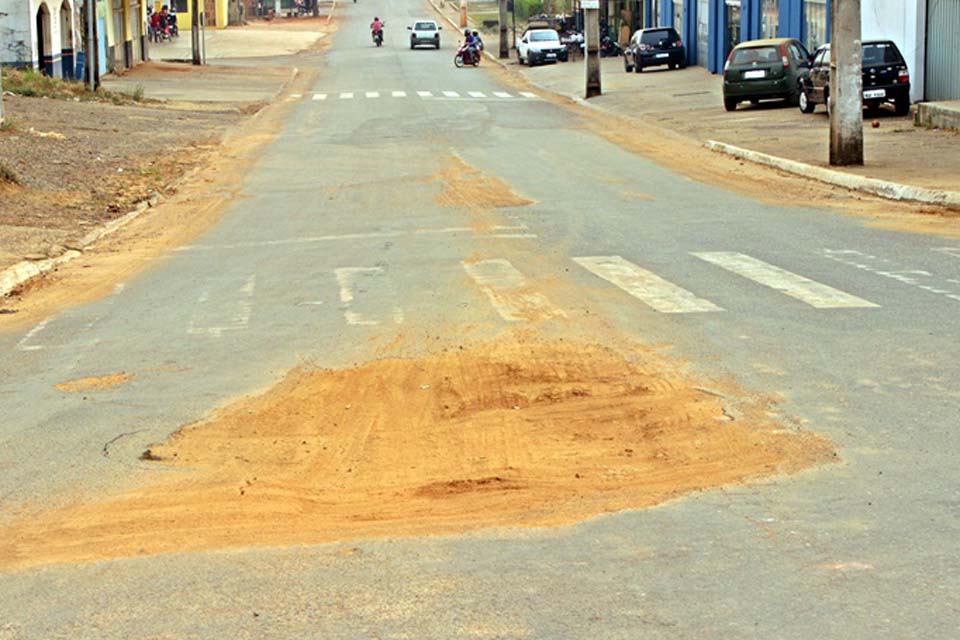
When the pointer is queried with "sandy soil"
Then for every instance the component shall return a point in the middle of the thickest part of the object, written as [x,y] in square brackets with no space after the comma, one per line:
[81,164]
[466,188]
[96,383]
[517,432]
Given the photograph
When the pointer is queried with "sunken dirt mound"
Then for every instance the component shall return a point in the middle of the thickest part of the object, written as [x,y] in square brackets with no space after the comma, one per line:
[515,432]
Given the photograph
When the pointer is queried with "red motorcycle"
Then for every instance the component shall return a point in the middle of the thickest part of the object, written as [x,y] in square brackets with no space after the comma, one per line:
[466,55]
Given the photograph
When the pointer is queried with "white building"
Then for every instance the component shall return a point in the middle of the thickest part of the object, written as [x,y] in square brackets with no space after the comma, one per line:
[39,34]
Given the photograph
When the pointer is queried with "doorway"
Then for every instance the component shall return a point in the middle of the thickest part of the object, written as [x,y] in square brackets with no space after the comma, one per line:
[44,48]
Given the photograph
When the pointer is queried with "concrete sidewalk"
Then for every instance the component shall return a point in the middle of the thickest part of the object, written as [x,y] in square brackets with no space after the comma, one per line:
[689,102]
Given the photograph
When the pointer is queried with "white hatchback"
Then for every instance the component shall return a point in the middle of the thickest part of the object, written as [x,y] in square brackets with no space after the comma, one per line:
[425,32]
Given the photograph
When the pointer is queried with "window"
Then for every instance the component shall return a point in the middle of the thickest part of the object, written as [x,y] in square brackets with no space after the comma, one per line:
[815,22]
[733,23]
[798,52]
[660,38]
[425,26]
[881,53]
[762,55]
[769,18]
[544,36]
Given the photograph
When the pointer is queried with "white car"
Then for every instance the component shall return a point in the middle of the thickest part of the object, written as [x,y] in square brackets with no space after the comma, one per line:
[425,32]
[539,46]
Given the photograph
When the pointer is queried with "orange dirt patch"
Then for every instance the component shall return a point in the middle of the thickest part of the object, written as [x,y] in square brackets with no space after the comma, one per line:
[517,432]
[98,383]
[466,187]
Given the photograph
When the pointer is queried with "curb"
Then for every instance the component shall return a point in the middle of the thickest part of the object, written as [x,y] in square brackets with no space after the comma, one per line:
[26,270]
[873,186]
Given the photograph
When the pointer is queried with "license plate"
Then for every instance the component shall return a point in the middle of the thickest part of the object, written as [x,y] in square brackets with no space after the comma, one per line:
[875,93]
[755,73]
[551,55]
[663,55]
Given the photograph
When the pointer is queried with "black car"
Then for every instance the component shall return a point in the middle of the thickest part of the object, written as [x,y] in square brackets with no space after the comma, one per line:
[885,78]
[653,48]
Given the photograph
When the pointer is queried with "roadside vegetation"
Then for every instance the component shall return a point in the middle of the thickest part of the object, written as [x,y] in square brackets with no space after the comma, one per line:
[30,83]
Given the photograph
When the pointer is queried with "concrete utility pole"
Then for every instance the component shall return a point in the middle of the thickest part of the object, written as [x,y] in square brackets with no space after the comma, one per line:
[463,14]
[846,85]
[195,31]
[504,44]
[90,46]
[591,28]
[1,94]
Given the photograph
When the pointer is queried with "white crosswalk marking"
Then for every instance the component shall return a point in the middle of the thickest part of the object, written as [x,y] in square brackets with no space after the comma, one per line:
[796,286]
[350,280]
[646,286]
[372,94]
[214,318]
[477,94]
[399,94]
[319,96]
[502,94]
[425,94]
[527,94]
[451,94]
[509,291]
[346,95]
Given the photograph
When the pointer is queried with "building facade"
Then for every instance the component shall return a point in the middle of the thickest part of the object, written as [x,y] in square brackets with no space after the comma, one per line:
[40,34]
[925,31]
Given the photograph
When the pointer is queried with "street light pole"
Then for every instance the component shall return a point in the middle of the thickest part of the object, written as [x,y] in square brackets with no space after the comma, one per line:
[591,28]
[846,82]
[91,55]
[504,44]
[195,32]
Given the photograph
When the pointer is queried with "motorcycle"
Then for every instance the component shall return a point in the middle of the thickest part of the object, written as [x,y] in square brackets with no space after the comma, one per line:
[466,55]
[609,48]
[378,37]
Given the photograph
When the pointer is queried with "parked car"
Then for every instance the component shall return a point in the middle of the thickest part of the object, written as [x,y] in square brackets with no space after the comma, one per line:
[425,32]
[764,70]
[653,48]
[885,78]
[539,46]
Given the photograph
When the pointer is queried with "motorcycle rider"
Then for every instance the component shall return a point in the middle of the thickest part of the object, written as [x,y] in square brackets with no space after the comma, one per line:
[471,45]
[376,27]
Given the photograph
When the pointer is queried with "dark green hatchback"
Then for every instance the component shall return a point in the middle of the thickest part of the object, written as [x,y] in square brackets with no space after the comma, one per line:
[764,70]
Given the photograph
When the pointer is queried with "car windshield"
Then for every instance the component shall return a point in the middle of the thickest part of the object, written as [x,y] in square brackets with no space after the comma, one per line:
[881,53]
[543,36]
[657,38]
[425,26]
[762,55]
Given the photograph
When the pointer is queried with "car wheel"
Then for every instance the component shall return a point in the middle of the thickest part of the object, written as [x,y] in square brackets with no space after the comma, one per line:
[638,67]
[730,104]
[804,103]
[626,65]
[826,101]
[901,106]
[754,102]
[412,47]
[683,64]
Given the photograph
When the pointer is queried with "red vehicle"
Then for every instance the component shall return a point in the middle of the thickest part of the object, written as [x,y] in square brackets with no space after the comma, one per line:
[467,54]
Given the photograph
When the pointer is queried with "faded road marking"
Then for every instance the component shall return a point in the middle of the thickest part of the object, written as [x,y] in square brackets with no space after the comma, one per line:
[918,278]
[509,292]
[399,94]
[502,94]
[319,96]
[451,94]
[346,95]
[24,344]
[796,286]
[646,286]
[206,320]
[424,94]
[476,94]
[372,94]
[527,94]
[349,279]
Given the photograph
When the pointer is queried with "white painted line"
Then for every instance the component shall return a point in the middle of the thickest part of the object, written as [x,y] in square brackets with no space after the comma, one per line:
[646,286]
[372,94]
[496,227]
[319,96]
[346,95]
[509,292]
[502,94]
[295,96]
[399,94]
[528,94]
[424,94]
[796,286]
[477,94]
[451,94]
[950,251]
[509,236]
[24,345]
[236,322]
[347,278]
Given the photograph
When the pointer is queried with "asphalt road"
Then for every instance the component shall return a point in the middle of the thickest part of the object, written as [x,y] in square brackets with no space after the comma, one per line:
[855,327]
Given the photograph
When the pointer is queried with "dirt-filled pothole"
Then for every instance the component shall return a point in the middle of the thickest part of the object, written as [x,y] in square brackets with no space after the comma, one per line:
[517,432]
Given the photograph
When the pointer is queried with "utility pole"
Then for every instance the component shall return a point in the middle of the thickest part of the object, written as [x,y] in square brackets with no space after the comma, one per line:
[504,43]
[194,31]
[591,28]
[1,94]
[846,85]
[90,45]
[463,14]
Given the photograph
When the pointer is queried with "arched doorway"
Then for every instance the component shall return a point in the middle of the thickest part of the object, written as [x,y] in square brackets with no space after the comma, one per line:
[66,40]
[44,43]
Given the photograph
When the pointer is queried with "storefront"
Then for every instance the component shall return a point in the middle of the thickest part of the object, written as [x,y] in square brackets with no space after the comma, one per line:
[816,19]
